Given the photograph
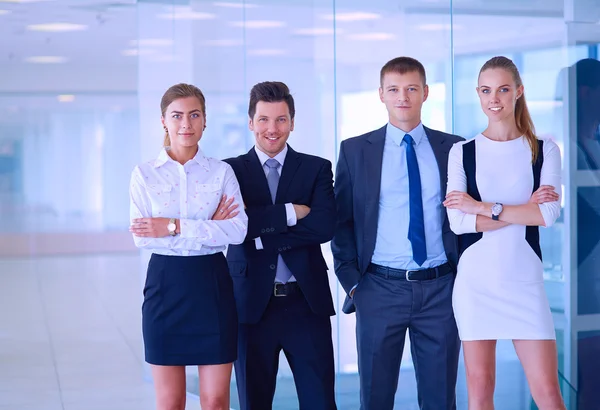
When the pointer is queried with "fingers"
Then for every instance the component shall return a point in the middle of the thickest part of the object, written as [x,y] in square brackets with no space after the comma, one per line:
[233,215]
[452,203]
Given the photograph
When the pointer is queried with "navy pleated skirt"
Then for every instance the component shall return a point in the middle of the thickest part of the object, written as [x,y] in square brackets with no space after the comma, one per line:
[189,315]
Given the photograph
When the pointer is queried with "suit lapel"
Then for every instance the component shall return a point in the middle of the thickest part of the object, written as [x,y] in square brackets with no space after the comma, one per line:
[372,160]
[441,148]
[290,166]
[258,179]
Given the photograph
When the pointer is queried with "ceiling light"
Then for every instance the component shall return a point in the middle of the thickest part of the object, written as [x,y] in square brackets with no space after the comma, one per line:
[46,59]
[352,16]
[185,13]
[439,27]
[317,31]
[258,24]
[152,42]
[134,52]
[267,52]
[372,36]
[223,43]
[66,98]
[57,27]
[23,1]
[234,5]
[163,58]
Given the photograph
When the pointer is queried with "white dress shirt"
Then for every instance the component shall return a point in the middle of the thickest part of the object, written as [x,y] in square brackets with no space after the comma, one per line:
[290,213]
[191,193]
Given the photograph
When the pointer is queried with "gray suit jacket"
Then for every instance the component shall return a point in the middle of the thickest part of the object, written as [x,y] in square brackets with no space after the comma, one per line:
[357,186]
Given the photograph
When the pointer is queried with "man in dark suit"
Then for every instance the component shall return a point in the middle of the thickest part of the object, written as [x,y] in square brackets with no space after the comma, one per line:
[394,253]
[279,273]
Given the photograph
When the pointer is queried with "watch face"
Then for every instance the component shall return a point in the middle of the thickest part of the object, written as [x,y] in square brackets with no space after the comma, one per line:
[171,227]
[496,209]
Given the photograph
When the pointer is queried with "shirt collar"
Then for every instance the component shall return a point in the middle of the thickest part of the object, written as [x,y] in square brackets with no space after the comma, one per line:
[396,134]
[199,158]
[262,157]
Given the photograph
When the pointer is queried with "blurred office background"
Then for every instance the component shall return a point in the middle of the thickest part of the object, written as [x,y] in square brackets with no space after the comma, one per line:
[80,85]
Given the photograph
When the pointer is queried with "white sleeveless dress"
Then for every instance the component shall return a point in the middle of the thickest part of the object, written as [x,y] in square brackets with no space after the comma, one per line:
[499,290]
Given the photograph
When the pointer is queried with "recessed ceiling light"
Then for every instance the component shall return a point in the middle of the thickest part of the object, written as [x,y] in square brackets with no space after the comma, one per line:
[258,24]
[24,1]
[223,43]
[267,52]
[234,5]
[185,13]
[163,58]
[66,98]
[57,27]
[46,59]
[152,42]
[352,16]
[439,27]
[372,36]
[133,52]
[2,12]
[317,31]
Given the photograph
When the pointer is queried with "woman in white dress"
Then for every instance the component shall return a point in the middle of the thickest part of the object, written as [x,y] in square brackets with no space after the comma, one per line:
[503,185]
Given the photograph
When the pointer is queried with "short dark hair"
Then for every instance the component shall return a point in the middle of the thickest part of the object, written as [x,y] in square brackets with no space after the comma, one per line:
[403,65]
[270,91]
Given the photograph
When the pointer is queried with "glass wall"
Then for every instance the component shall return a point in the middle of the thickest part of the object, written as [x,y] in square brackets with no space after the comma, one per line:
[81,82]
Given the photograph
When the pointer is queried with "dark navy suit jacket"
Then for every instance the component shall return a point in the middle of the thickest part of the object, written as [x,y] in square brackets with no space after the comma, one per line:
[305,180]
[357,187]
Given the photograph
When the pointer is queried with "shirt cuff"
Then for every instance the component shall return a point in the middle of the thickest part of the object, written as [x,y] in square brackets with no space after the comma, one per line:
[259,244]
[353,287]
[290,215]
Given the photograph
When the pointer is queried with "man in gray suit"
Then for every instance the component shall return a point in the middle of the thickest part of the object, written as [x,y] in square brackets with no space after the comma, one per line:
[394,253]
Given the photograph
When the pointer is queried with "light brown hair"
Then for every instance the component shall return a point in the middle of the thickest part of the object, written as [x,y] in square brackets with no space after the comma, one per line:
[403,65]
[522,116]
[176,92]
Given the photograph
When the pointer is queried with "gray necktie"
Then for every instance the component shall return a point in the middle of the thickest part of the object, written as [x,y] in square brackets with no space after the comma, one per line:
[283,273]
[273,176]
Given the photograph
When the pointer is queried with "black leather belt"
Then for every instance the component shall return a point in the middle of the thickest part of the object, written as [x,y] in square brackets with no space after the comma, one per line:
[285,289]
[411,275]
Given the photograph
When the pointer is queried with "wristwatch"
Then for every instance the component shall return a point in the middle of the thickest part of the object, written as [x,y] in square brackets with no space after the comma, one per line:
[172,227]
[496,211]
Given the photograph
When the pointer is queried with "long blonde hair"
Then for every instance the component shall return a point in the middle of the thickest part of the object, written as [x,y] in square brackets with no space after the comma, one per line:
[176,92]
[522,116]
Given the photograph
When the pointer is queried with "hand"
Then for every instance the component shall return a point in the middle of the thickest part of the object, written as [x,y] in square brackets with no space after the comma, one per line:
[545,193]
[150,227]
[225,210]
[463,202]
[301,211]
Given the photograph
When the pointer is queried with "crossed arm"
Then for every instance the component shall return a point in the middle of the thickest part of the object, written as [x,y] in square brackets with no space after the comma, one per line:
[467,215]
[315,220]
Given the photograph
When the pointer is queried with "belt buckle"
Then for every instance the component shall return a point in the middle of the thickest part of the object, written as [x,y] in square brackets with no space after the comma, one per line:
[278,295]
[407,274]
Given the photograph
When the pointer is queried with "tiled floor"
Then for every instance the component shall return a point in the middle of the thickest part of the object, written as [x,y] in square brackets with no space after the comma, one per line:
[70,335]
[70,339]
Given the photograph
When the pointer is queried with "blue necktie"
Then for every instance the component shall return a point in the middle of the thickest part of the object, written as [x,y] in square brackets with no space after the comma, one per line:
[283,273]
[416,226]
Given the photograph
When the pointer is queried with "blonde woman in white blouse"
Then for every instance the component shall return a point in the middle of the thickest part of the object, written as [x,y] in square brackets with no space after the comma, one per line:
[186,208]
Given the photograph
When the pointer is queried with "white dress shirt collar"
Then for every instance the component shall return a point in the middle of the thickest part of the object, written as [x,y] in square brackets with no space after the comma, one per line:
[163,158]
[262,157]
